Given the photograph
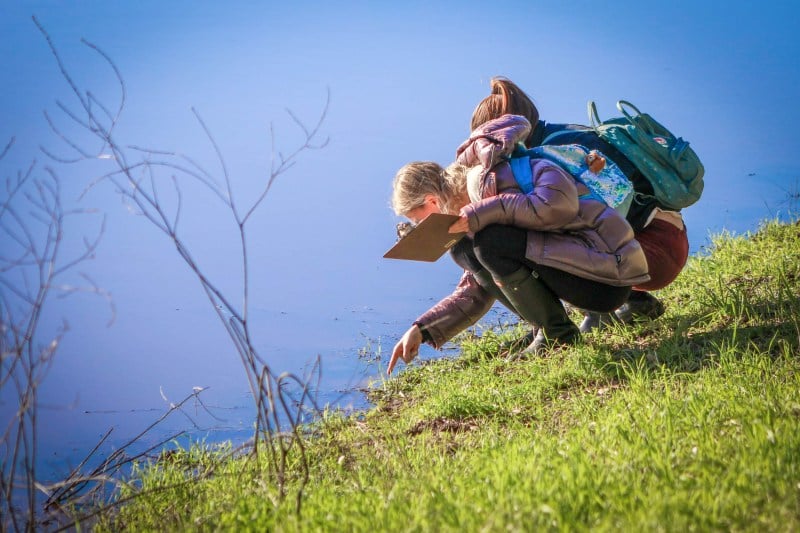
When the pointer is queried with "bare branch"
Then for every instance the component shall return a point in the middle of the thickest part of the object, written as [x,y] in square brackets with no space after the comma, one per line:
[89,250]
[8,147]
[179,196]
[286,164]
[221,160]
[64,138]
[117,74]
[85,125]
[56,158]
[60,63]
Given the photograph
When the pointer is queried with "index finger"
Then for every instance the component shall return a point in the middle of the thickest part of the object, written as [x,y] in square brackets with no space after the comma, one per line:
[393,361]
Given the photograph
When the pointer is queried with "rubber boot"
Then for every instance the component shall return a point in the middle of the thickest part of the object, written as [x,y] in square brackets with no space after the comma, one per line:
[486,281]
[512,346]
[598,321]
[538,305]
[641,305]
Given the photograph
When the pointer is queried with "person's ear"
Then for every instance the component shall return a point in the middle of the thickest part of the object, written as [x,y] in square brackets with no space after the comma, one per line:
[432,199]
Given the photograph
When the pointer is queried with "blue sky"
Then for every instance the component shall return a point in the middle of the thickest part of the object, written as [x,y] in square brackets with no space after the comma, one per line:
[403,80]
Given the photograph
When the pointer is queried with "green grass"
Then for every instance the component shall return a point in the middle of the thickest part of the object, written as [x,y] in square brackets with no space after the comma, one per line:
[687,423]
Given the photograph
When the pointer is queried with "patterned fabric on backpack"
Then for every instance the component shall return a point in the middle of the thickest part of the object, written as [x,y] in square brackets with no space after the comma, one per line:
[671,167]
[609,185]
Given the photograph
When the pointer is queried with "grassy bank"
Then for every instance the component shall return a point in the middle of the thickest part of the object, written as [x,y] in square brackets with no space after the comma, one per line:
[690,422]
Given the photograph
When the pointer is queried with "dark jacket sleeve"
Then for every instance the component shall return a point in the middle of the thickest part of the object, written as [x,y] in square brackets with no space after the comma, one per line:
[456,312]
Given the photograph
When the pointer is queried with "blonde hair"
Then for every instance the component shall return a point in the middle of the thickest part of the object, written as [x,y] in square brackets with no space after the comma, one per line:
[506,98]
[414,181]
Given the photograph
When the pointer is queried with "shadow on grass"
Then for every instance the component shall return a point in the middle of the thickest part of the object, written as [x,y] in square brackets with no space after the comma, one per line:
[688,349]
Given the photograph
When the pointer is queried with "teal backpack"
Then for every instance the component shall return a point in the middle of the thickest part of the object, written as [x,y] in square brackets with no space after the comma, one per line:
[671,167]
[609,186]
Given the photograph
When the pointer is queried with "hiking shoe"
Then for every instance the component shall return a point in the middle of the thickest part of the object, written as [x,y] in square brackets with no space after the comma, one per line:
[640,306]
[541,345]
[598,321]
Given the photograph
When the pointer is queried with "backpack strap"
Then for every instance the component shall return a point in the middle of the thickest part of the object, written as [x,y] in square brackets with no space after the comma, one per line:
[520,163]
[594,117]
[638,120]
[556,134]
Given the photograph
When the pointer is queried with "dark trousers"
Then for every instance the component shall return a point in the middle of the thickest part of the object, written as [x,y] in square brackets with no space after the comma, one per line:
[500,250]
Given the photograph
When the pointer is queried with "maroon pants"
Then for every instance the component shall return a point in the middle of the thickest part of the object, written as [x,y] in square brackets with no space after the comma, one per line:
[666,248]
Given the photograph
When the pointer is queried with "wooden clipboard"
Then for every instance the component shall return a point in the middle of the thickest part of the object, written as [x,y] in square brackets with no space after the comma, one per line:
[428,241]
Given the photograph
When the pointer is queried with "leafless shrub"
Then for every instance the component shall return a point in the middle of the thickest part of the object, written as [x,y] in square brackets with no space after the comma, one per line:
[150,180]
[32,270]
[84,492]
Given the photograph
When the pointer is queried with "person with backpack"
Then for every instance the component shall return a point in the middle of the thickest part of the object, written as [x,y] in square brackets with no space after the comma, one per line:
[529,250]
[658,227]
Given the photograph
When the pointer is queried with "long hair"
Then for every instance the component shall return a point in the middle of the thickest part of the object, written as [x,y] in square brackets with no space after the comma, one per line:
[416,180]
[505,98]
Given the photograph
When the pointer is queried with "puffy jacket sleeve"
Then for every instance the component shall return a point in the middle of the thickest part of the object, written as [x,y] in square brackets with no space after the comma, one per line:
[456,312]
[489,143]
[551,205]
